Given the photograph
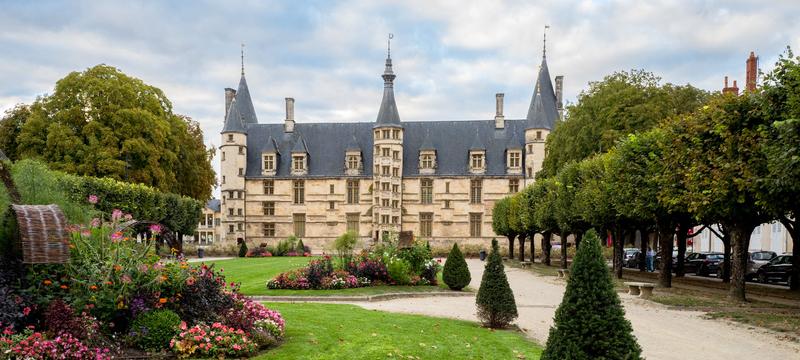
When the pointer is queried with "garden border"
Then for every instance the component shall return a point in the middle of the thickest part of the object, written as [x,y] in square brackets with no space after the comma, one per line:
[366,298]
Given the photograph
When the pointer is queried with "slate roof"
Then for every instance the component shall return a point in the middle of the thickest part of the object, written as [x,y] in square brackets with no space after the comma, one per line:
[387,114]
[241,111]
[542,113]
[451,139]
[214,205]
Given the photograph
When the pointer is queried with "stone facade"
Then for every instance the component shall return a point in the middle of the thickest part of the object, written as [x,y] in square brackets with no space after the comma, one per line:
[320,180]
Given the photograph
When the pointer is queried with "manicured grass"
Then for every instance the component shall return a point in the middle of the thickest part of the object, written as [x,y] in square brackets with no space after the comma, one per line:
[253,274]
[332,331]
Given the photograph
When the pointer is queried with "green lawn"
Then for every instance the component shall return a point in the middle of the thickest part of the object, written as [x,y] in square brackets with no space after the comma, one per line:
[332,331]
[253,274]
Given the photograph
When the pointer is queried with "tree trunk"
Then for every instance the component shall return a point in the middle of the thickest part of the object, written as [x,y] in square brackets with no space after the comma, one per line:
[726,270]
[511,245]
[546,241]
[682,234]
[794,231]
[533,247]
[643,244]
[740,242]
[564,251]
[521,247]
[665,234]
[618,245]
[578,238]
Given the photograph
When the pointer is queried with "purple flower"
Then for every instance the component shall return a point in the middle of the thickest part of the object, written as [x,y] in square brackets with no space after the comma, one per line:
[93,199]
[155,229]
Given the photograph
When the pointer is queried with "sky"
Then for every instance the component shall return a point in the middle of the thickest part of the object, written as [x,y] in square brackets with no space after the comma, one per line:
[450,57]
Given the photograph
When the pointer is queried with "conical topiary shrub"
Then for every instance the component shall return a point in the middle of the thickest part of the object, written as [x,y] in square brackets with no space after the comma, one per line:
[456,273]
[590,322]
[243,249]
[495,300]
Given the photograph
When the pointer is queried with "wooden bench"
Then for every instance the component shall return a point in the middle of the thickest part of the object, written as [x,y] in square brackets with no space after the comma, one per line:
[640,289]
[526,264]
[563,273]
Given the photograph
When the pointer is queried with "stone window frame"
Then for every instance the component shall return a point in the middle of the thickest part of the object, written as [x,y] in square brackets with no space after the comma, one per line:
[426,224]
[268,229]
[426,191]
[269,158]
[299,164]
[299,224]
[268,207]
[475,191]
[353,191]
[475,224]
[513,185]
[353,163]
[269,187]
[514,159]
[427,162]
[298,192]
[353,220]
[477,161]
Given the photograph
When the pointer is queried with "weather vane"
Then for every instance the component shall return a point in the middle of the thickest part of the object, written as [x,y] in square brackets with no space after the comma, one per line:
[389,45]
[242,58]
[544,41]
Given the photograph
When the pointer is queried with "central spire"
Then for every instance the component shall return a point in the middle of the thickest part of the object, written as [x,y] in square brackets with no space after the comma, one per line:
[388,115]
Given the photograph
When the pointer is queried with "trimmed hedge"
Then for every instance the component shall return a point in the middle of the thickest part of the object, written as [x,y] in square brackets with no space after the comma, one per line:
[456,273]
[178,213]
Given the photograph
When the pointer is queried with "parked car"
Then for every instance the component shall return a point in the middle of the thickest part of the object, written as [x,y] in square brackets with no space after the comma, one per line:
[631,258]
[750,273]
[704,263]
[777,269]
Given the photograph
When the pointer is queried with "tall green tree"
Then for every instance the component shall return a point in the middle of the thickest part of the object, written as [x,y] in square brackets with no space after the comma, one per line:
[590,322]
[495,300]
[527,218]
[103,123]
[780,187]
[569,219]
[546,191]
[500,219]
[622,103]
[716,152]
[10,128]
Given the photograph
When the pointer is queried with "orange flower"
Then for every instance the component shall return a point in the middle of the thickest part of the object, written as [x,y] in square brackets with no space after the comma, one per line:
[162,301]
[65,287]
[117,268]
[48,282]
[109,283]
[93,287]
[163,278]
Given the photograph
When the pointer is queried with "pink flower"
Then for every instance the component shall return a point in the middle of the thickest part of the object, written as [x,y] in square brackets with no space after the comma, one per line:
[93,199]
[126,279]
[26,310]
[128,217]
[155,229]
[95,222]
[116,214]
[117,236]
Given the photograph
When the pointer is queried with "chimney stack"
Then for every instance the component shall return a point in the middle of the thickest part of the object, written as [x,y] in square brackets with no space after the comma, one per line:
[499,118]
[289,122]
[730,89]
[229,95]
[752,72]
[559,95]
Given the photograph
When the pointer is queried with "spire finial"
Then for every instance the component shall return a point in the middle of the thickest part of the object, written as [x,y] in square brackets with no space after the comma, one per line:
[544,42]
[389,46]
[242,58]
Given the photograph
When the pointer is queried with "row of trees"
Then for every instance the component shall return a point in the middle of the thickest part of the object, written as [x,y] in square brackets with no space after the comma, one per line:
[103,123]
[731,160]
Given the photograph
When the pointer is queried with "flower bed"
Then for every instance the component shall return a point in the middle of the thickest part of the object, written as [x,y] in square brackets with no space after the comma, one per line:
[116,296]
[383,265]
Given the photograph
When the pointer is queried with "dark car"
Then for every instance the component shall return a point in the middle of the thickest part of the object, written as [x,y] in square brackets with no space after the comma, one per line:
[704,263]
[777,269]
[749,275]
[631,258]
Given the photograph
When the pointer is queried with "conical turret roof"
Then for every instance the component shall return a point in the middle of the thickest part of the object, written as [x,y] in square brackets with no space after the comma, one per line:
[388,115]
[542,113]
[233,122]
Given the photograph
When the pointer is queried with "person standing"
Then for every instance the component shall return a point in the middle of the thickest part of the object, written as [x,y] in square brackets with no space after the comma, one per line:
[651,255]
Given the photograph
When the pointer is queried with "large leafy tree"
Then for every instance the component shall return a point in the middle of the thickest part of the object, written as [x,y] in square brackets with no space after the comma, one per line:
[10,128]
[780,187]
[570,221]
[546,191]
[716,152]
[103,123]
[622,103]
[528,202]
[500,214]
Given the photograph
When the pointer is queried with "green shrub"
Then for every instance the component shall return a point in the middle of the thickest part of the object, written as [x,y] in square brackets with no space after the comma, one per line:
[456,273]
[590,322]
[344,245]
[495,300]
[153,330]
[243,249]
[301,248]
[417,255]
[399,271]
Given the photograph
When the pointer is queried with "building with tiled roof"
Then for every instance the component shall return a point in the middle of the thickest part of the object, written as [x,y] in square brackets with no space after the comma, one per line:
[436,179]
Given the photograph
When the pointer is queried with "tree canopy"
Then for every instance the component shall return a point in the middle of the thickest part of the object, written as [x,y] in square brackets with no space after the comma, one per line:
[103,123]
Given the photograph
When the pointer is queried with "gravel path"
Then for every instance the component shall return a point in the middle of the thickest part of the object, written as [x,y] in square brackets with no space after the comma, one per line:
[663,333]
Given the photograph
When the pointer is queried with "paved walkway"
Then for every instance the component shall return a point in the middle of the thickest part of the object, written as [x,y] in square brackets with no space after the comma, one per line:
[208,259]
[663,333]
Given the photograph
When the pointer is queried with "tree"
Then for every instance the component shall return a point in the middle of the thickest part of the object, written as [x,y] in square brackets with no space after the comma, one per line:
[622,103]
[568,217]
[780,187]
[10,128]
[500,224]
[515,223]
[545,190]
[590,322]
[103,123]
[456,272]
[716,154]
[495,300]
[527,218]
[243,249]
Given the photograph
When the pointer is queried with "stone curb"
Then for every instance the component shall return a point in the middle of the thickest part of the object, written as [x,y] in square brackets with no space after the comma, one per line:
[370,298]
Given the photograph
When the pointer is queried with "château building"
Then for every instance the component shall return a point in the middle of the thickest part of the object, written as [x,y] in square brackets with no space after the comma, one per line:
[436,179]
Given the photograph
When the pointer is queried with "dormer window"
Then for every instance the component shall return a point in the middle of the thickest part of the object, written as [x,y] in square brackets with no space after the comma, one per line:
[299,164]
[477,161]
[269,162]
[427,162]
[514,162]
[352,163]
